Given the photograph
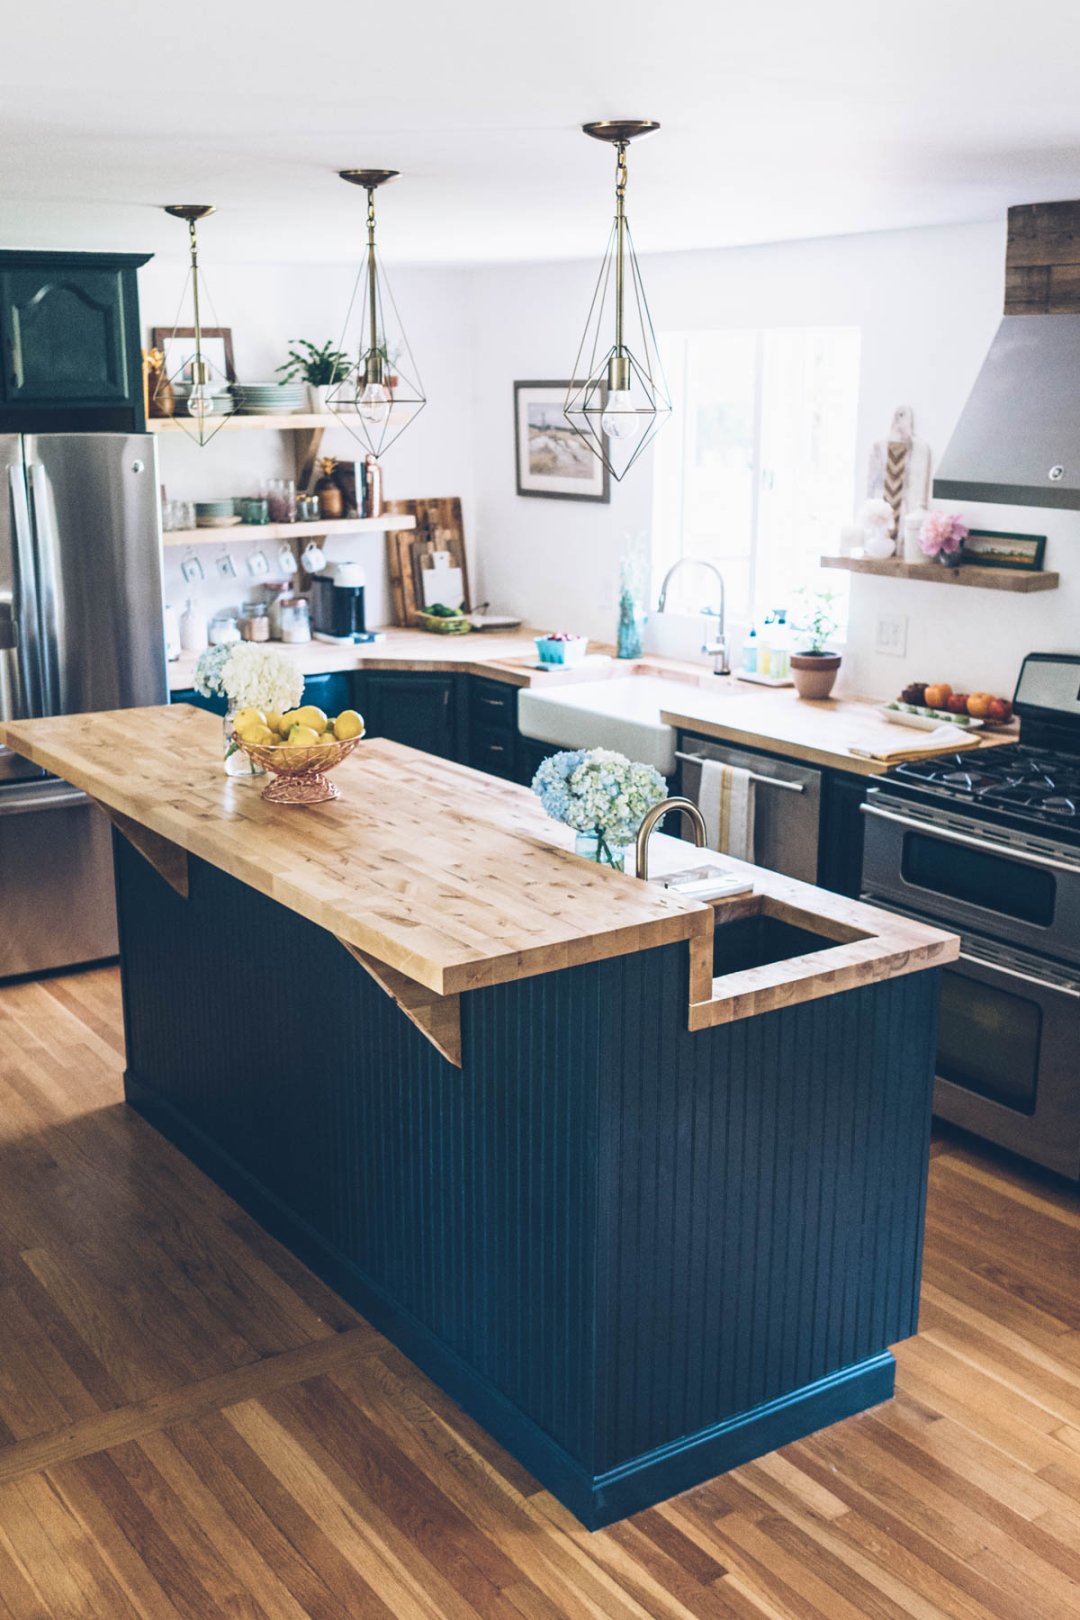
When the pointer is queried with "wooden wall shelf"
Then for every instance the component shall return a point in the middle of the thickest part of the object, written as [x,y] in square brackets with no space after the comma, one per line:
[287,531]
[253,424]
[971,575]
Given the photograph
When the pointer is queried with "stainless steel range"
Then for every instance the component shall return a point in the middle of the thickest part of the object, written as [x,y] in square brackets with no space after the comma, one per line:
[990,845]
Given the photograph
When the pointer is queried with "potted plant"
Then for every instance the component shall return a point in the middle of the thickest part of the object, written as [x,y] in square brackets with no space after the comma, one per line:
[814,668]
[321,368]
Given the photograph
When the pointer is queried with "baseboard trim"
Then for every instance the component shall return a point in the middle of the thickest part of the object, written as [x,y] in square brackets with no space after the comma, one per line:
[596,1500]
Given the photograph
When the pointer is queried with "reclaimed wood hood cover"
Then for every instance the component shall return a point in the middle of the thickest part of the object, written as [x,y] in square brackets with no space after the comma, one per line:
[1016,440]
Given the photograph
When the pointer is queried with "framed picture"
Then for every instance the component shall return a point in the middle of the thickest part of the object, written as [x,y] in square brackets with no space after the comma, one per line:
[553,460]
[216,347]
[993,548]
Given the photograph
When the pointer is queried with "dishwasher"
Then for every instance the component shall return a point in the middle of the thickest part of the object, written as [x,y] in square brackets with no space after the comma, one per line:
[787,803]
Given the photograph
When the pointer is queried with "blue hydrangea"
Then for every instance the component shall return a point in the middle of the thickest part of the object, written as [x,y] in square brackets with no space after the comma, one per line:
[598,791]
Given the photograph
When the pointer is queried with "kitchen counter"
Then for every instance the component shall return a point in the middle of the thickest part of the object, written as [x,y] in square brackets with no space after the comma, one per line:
[820,732]
[503,656]
[774,719]
[637,1180]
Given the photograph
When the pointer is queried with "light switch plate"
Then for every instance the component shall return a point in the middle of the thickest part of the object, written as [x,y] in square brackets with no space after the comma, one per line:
[891,637]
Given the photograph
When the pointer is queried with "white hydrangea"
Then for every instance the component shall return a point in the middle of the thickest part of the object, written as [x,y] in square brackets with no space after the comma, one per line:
[261,678]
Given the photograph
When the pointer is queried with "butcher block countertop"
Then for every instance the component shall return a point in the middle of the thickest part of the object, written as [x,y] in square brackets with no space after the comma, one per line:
[727,708]
[455,879]
[819,732]
[509,656]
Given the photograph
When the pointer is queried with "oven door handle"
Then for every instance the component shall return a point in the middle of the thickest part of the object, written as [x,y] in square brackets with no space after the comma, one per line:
[932,830]
[1014,973]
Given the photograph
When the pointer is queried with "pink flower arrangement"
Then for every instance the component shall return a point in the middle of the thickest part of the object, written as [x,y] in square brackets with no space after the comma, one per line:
[943,533]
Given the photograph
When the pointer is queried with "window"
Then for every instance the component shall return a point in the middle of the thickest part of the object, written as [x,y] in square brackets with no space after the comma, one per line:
[756,469]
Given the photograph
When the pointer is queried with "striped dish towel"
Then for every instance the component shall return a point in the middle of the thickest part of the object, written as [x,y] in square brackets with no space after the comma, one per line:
[726,800]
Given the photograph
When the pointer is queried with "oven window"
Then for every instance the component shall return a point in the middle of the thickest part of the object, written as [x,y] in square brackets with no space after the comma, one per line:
[988,1041]
[981,878]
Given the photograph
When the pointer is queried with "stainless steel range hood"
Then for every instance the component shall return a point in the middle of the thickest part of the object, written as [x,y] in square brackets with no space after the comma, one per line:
[1018,438]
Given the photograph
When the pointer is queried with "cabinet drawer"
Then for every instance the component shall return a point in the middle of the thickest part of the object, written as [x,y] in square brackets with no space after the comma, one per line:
[493,705]
[493,751]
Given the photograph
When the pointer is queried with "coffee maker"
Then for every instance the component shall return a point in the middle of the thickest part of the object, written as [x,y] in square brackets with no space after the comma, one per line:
[337,603]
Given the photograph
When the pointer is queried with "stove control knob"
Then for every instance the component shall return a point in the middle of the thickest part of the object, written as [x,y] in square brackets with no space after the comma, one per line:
[1057,473]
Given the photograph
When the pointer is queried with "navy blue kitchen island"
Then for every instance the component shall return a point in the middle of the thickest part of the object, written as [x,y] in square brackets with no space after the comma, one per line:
[643,1212]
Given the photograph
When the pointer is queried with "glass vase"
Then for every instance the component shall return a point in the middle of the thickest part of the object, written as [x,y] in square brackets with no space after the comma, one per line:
[235,761]
[601,848]
[629,633]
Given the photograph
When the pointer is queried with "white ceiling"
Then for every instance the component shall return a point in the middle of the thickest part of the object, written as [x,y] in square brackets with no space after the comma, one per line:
[788,120]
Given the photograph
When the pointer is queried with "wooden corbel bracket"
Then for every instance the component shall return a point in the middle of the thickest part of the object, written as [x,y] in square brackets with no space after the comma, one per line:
[438,1018]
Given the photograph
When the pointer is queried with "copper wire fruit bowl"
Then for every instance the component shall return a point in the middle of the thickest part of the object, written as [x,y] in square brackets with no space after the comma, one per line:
[298,771]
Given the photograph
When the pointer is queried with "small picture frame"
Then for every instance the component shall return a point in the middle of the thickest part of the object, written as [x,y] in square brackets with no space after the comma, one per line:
[998,548]
[175,344]
[553,460]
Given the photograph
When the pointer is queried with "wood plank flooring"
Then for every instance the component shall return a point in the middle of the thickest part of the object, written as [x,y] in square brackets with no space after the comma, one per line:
[192,1426]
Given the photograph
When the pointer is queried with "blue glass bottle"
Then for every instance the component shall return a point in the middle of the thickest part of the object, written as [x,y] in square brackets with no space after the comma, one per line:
[629,636]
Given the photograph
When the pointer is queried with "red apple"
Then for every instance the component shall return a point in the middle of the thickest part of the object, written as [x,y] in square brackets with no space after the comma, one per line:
[1000,709]
[957,703]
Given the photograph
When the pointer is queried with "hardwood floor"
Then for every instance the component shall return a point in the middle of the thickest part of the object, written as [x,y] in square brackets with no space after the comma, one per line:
[193,1426]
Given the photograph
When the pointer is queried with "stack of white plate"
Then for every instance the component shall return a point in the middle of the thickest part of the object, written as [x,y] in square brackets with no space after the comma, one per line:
[271,399]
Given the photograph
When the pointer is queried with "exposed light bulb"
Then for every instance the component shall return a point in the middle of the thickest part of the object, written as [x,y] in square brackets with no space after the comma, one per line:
[200,401]
[374,404]
[619,419]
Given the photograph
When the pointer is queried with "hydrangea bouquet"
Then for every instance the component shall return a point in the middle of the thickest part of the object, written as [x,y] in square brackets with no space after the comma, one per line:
[247,676]
[603,795]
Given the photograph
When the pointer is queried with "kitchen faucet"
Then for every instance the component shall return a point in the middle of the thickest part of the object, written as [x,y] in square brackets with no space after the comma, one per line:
[658,811]
[717,649]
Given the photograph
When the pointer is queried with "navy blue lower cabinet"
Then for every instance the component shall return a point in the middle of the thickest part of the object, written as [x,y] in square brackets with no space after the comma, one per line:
[637,1256]
[216,705]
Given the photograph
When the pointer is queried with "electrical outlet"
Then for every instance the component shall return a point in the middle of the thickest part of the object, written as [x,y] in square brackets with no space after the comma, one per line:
[891,637]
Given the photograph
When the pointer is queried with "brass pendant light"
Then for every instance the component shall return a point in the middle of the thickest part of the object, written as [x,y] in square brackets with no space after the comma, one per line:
[381,394]
[618,399]
[201,389]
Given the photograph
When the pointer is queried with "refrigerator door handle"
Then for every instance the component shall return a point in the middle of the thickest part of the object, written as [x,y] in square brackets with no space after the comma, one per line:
[26,593]
[28,801]
[47,544]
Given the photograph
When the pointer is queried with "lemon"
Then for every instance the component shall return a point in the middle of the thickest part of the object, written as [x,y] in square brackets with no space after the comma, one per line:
[273,720]
[310,715]
[348,724]
[256,736]
[287,721]
[248,717]
[303,737]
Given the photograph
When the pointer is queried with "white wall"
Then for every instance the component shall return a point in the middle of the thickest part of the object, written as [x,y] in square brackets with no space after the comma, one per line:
[266,306]
[927,301]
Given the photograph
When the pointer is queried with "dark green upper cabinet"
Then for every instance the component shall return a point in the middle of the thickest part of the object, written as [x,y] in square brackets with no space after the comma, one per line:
[69,333]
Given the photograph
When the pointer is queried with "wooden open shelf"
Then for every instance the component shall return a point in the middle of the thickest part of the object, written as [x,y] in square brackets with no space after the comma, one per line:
[971,575]
[287,531]
[252,424]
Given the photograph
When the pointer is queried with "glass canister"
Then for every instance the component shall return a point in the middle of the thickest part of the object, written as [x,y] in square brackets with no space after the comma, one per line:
[295,619]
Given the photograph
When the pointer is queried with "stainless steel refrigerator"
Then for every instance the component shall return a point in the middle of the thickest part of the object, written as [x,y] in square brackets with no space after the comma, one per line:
[80,629]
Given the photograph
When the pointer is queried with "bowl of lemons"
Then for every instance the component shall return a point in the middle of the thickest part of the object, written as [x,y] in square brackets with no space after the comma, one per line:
[298,748]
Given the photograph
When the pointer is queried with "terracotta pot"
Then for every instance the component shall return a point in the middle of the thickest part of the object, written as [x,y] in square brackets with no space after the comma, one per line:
[814,674]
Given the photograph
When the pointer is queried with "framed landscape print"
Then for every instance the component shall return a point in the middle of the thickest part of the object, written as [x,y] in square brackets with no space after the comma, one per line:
[992,548]
[553,460]
[217,348]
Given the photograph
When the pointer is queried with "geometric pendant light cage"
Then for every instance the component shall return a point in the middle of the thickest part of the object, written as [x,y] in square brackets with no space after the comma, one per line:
[618,399]
[198,385]
[381,394]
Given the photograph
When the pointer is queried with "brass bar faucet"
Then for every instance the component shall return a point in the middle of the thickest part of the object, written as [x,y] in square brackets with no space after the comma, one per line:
[648,826]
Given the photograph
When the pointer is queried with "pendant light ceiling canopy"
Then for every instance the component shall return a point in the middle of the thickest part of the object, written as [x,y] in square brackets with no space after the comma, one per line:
[197,387]
[618,399]
[381,394]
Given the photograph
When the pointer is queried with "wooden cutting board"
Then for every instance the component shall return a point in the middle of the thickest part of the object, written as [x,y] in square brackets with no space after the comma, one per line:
[439,527]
